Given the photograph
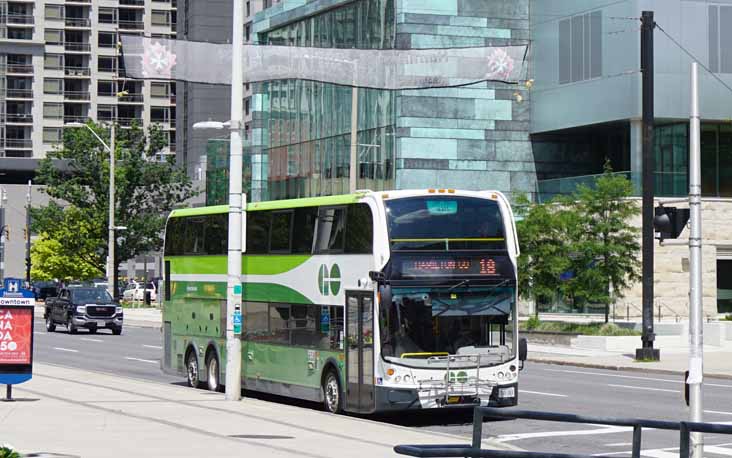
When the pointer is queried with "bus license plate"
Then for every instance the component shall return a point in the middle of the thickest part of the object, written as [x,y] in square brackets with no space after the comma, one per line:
[507,392]
[453,399]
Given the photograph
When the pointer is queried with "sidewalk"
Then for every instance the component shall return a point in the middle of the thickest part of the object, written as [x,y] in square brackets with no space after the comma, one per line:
[93,415]
[143,317]
[717,360]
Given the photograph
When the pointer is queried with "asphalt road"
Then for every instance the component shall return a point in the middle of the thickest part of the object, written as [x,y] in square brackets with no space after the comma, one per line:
[136,353]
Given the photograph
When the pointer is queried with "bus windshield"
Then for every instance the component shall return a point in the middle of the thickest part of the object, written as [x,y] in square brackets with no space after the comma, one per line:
[421,323]
[443,223]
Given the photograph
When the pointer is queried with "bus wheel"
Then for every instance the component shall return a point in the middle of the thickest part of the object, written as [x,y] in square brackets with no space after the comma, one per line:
[212,370]
[192,370]
[332,398]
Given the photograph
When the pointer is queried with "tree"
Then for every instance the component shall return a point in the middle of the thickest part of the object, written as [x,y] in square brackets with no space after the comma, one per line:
[51,262]
[608,242]
[580,248]
[146,189]
[546,247]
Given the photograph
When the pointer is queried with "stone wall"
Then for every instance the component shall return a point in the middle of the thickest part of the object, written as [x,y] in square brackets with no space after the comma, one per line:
[671,279]
[473,137]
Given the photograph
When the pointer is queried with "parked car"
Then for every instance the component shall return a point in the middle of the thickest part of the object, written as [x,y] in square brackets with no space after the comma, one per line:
[44,289]
[83,307]
[136,292]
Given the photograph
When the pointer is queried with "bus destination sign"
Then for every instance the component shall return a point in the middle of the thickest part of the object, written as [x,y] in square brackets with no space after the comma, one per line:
[452,266]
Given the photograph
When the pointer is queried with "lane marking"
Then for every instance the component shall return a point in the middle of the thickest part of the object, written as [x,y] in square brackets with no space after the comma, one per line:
[581,432]
[619,444]
[157,347]
[631,377]
[644,388]
[39,333]
[66,349]
[91,340]
[544,394]
[141,360]
[660,453]
[718,450]
[718,412]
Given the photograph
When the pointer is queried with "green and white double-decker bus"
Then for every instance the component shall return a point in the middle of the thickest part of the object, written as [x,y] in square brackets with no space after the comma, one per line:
[373,301]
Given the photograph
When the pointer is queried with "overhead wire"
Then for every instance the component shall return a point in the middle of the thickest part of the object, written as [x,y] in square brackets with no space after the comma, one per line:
[694,58]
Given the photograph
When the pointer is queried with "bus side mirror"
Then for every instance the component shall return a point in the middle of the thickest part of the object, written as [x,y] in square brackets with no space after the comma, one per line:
[523,350]
[377,276]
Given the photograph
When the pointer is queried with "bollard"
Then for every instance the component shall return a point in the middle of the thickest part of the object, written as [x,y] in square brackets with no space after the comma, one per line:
[8,393]
[627,313]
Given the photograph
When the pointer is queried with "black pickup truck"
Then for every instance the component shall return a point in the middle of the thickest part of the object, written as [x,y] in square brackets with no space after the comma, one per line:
[90,308]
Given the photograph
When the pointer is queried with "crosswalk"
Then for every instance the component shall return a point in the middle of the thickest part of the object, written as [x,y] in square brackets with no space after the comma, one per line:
[718,450]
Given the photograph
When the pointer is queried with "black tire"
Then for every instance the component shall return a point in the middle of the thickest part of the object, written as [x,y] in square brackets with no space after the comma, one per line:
[192,370]
[332,393]
[50,325]
[213,372]
[92,330]
[70,326]
[117,331]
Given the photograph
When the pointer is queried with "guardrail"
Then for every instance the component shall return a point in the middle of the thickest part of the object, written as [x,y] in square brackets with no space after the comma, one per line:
[474,449]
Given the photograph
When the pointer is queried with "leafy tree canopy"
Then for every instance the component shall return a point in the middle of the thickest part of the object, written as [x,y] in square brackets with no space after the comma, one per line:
[146,189]
[580,247]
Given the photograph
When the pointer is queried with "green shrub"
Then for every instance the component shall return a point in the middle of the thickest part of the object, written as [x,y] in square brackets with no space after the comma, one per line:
[533,322]
[7,451]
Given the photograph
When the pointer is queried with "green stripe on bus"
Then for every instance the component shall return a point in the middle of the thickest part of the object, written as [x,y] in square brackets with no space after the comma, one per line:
[272,205]
[271,292]
[251,265]
[197,211]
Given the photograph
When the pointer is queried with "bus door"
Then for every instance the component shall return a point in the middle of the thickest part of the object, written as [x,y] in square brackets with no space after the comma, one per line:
[360,351]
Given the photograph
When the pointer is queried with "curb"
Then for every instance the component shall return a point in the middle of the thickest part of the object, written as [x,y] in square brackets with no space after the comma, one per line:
[614,367]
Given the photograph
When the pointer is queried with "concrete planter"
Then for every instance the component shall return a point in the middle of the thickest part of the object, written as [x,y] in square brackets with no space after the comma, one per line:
[548,338]
[622,344]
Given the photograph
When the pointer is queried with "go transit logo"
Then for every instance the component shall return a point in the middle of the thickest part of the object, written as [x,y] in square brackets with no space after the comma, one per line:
[329,281]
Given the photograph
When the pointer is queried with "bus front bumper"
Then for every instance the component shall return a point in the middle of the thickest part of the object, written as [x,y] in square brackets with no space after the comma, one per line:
[390,398]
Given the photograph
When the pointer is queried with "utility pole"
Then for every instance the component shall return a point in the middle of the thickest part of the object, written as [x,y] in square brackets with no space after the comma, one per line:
[696,327]
[28,235]
[234,286]
[647,352]
[353,168]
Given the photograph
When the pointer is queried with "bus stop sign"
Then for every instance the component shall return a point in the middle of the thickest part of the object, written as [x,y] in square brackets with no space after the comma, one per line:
[16,332]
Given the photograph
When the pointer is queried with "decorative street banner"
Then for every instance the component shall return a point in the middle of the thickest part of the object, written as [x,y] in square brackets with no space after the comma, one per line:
[16,330]
[157,58]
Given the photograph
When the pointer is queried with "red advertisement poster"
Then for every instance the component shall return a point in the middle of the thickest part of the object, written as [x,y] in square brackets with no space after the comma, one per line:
[15,335]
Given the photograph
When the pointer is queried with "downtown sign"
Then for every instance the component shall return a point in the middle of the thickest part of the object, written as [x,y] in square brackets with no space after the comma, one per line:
[16,332]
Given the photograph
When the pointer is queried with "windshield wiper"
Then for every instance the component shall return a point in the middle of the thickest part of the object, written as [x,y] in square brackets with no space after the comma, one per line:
[465,282]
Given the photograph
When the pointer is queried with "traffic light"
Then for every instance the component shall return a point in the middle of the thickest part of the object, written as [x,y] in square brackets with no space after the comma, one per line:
[669,222]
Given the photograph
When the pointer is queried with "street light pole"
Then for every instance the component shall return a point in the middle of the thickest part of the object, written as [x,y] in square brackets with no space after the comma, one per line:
[234,286]
[28,235]
[696,338]
[111,287]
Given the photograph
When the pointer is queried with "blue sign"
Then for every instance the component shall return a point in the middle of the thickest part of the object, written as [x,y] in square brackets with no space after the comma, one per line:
[237,321]
[325,320]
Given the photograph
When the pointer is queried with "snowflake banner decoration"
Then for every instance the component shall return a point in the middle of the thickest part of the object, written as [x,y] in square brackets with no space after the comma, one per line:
[157,61]
[500,65]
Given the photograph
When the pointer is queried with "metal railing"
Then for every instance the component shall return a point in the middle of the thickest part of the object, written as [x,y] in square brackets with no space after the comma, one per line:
[77,22]
[132,2]
[77,46]
[19,68]
[74,118]
[480,413]
[20,19]
[18,143]
[19,118]
[77,95]
[131,25]
[132,98]
[19,93]
[77,71]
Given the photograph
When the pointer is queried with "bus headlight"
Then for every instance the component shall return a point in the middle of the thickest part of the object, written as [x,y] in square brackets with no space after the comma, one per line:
[500,375]
[407,379]
[398,378]
[509,392]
